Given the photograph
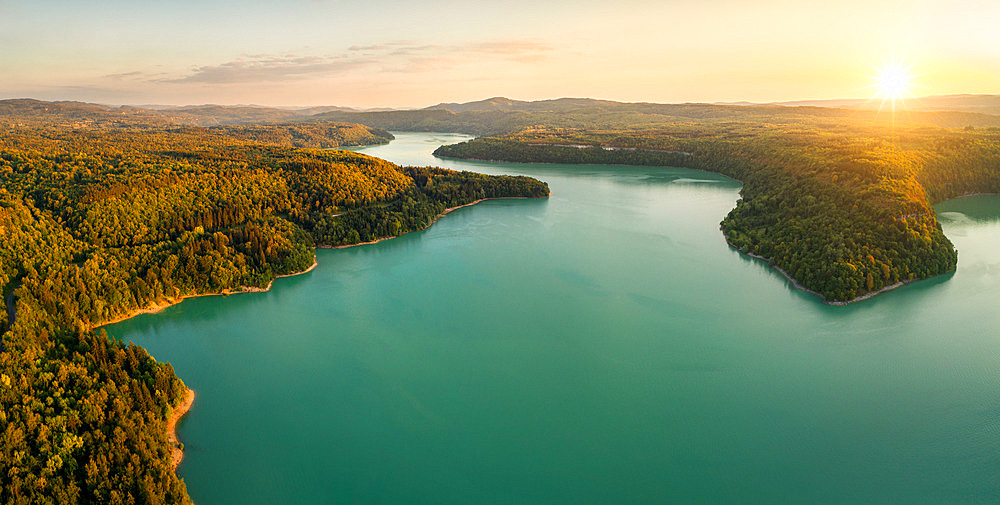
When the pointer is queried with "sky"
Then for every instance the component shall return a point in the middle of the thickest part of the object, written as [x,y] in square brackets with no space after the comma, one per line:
[416,53]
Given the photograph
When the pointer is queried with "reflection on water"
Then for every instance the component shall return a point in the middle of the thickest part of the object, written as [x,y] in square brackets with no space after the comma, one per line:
[602,346]
[976,208]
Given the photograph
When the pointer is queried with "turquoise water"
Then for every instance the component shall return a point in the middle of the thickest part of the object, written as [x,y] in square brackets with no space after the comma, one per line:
[603,346]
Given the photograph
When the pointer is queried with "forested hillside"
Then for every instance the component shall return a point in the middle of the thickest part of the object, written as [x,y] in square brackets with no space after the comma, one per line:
[501,116]
[97,223]
[28,112]
[841,205]
[105,211]
[317,135]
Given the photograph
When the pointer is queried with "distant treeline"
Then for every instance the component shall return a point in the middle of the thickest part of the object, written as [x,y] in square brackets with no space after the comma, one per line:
[323,135]
[97,223]
[843,207]
[838,198]
[505,149]
[638,118]
[491,117]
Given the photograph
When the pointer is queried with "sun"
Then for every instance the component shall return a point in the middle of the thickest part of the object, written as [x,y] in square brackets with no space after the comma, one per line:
[893,81]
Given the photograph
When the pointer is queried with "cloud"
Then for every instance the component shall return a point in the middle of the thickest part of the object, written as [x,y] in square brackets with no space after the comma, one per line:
[381,47]
[378,47]
[509,49]
[264,68]
[395,56]
[413,58]
[135,76]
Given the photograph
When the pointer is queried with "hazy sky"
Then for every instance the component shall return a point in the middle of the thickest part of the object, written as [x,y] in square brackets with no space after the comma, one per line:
[416,53]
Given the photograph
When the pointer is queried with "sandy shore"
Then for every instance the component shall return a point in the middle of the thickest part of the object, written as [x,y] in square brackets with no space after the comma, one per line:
[863,297]
[158,306]
[446,211]
[176,453]
[798,286]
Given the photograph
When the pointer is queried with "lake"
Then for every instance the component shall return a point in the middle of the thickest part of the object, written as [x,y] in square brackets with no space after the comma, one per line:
[601,346]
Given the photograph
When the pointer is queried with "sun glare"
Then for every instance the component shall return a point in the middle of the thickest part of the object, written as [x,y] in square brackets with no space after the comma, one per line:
[892,82]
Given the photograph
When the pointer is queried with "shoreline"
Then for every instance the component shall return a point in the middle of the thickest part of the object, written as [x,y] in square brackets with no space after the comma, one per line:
[963,196]
[176,452]
[865,296]
[439,216]
[443,157]
[800,287]
[176,413]
[611,148]
[610,163]
[171,301]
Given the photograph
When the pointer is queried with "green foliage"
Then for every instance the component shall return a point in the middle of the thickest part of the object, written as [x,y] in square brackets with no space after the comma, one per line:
[434,191]
[638,119]
[82,422]
[27,112]
[843,206]
[309,135]
[96,224]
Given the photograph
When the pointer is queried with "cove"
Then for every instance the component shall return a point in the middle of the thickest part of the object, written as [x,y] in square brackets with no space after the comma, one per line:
[602,346]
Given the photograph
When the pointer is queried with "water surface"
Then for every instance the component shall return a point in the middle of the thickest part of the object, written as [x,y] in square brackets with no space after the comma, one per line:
[601,346]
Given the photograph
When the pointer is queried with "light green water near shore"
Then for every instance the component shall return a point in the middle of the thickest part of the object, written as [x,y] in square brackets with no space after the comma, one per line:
[602,346]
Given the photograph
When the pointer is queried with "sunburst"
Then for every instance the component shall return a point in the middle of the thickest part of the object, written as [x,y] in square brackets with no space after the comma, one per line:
[893,82]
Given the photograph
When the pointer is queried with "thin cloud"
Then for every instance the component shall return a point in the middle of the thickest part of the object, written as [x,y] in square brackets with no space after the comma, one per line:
[382,46]
[511,47]
[262,68]
[134,76]
[396,56]
[414,50]
[368,48]
[425,58]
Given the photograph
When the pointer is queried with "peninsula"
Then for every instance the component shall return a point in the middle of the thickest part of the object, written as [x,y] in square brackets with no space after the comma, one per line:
[838,200]
[106,214]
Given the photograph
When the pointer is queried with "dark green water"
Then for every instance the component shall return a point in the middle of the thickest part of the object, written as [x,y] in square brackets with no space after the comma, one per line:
[603,346]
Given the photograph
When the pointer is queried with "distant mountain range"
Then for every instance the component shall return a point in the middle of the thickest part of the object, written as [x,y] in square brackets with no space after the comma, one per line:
[27,111]
[506,104]
[490,115]
[984,104]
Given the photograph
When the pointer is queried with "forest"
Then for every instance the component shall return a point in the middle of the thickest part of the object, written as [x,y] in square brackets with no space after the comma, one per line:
[500,117]
[97,222]
[841,205]
[105,210]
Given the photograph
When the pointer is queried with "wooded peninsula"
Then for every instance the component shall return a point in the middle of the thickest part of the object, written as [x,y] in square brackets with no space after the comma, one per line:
[106,211]
[839,200]
[101,217]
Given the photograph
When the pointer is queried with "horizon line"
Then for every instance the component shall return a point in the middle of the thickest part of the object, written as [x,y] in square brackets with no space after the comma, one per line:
[800,102]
